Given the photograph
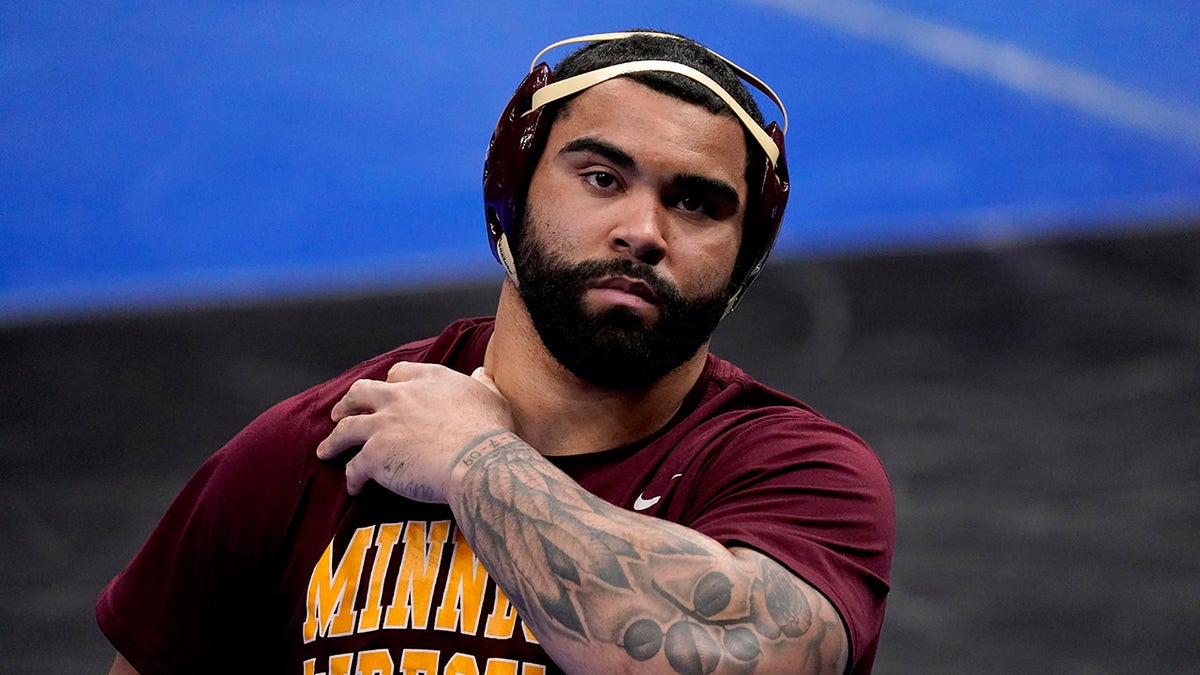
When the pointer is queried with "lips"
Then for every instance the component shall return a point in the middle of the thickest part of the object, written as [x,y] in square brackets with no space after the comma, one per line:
[632,286]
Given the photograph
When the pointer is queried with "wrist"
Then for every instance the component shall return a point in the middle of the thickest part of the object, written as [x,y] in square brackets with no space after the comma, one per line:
[475,451]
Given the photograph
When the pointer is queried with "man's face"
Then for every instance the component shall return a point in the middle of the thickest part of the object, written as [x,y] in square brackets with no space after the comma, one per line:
[611,346]
[633,222]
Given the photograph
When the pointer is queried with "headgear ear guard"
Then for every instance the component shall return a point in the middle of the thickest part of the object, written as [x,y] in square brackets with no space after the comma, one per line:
[521,133]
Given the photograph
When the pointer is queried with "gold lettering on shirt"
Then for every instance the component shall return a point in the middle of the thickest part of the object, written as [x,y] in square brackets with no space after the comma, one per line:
[374,662]
[419,565]
[385,541]
[331,593]
[462,599]
[418,662]
[408,561]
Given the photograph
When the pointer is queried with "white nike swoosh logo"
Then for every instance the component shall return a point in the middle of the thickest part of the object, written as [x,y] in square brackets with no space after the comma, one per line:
[641,503]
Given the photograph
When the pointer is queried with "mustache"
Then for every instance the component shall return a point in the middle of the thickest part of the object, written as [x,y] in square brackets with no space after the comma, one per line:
[589,270]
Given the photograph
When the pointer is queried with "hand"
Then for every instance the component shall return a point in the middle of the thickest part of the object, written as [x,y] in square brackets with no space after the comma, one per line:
[414,427]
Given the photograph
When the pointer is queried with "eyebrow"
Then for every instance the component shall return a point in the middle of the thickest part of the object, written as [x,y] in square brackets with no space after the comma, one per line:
[717,189]
[692,182]
[605,149]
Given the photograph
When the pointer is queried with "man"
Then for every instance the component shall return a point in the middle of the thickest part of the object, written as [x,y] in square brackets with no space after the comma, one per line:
[575,486]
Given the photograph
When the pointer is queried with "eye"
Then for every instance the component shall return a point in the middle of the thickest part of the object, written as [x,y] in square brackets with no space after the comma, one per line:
[601,180]
[693,203]
[701,205]
[701,197]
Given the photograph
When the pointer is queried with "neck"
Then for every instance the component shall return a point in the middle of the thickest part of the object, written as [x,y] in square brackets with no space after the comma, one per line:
[560,414]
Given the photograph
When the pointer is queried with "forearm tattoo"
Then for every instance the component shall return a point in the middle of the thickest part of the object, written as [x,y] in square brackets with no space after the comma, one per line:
[578,568]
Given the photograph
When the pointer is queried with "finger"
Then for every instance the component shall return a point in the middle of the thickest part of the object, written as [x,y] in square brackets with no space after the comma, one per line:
[358,472]
[405,371]
[371,465]
[362,397]
[402,371]
[349,432]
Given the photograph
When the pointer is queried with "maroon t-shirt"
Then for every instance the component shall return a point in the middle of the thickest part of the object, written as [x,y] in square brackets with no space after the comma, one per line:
[264,562]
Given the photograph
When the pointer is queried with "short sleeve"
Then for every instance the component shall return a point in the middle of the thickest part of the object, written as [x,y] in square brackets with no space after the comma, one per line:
[814,497]
[209,590]
[203,577]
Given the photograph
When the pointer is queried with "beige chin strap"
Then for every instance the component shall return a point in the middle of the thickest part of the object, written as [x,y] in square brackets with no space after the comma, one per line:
[506,259]
[573,85]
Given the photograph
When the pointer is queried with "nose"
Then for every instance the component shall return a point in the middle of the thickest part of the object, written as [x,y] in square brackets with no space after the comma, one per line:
[640,231]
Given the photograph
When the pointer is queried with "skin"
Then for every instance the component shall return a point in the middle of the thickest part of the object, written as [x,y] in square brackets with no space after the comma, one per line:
[121,667]
[630,172]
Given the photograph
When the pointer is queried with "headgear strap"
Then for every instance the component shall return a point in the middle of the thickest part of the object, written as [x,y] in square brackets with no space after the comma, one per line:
[573,85]
[522,129]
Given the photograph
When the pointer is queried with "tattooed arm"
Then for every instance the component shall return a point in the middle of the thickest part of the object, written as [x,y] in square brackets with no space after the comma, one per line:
[609,590]
[604,589]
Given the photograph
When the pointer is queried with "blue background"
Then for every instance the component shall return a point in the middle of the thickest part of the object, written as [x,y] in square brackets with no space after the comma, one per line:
[164,153]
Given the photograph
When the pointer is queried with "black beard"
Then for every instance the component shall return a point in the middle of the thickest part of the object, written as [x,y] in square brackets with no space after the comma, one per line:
[614,349]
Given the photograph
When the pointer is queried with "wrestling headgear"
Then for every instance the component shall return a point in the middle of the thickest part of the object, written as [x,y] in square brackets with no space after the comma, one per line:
[521,133]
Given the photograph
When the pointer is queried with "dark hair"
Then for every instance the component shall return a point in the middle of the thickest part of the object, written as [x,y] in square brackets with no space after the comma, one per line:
[678,49]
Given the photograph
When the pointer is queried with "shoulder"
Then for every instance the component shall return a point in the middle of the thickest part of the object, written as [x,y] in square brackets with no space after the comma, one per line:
[758,433]
[744,437]
[742,409]
[284,437]
[461,345]
[757,450]
[783,479]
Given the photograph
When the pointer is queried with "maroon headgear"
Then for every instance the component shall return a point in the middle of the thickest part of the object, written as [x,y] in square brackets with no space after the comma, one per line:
[521,133]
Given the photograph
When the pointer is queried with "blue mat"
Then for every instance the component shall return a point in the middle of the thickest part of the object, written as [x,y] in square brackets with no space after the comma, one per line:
[163,153]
